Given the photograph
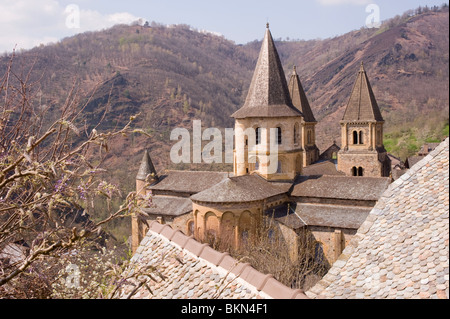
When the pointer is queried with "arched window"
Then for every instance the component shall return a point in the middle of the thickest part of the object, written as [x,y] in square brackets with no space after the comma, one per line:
[309,137]
[258,135]
[360,171]
[296,134]
[355,137]
[279,137]
[357,171]
[361,140]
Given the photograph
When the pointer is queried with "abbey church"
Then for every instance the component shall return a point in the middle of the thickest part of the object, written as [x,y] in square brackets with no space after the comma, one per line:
[329,193]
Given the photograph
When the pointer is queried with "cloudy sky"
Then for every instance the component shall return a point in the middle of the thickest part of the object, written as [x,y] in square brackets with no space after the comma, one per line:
[28,23]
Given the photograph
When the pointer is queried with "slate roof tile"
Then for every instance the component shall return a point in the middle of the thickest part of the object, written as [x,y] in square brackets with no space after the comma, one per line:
[402,249]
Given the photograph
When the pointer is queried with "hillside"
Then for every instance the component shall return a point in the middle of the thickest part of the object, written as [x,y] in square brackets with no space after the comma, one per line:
[173,75]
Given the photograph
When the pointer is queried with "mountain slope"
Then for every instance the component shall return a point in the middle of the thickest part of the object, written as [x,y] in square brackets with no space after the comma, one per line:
[173,75]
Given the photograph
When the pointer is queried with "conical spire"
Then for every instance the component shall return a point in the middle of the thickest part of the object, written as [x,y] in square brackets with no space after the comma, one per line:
[268,95]
[299,98]
[146,168]
[362,105]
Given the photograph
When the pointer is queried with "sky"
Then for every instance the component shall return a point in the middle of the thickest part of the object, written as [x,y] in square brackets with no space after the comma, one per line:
[28,23]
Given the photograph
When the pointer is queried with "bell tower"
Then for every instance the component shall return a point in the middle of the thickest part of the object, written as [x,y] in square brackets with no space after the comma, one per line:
[308,126]
[362,151]
[266,140]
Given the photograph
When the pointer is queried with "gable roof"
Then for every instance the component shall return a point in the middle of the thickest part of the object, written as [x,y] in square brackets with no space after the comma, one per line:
[190,182]
[298,97]
[268,95]
[327,167]
[192,270]
[362,105]
[246,188]
[402,249]
[340,187]
[169,206]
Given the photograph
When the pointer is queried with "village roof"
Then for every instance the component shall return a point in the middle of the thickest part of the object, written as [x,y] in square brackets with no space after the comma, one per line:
[169,206]
[268,95]
[299,98]
[340,187]
[362,105]
[246,188]
[402,249]
[190,182]
[192,270]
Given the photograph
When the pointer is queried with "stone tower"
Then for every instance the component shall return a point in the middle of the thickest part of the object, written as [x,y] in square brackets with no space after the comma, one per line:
[308,125]
[362,151]
[268,112]
[146,176]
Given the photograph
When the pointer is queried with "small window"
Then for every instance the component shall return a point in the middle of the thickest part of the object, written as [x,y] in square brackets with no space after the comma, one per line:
[355,137]
[361,140]
[360,171]
[296,134]
[258,135]
[279,138]
[354,171]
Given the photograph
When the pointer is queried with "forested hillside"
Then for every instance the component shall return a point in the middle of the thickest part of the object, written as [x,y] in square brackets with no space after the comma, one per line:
[173,75]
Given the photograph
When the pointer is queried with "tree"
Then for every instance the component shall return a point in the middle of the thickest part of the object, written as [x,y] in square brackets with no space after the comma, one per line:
[49,176]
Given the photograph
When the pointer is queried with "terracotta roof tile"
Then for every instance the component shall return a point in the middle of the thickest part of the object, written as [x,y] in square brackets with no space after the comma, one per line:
[193,270]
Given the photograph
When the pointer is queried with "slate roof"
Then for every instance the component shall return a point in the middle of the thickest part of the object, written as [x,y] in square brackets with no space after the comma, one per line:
[362,105]
[268,95]
[299,98]
[340,187]
[246,188]
[169,206]
[322,168]
[402,249]
[190,182]
[146,168]
[299,215]
[192,270]
[339,216]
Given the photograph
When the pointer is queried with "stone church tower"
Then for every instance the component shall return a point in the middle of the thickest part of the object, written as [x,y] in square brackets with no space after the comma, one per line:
[362,151]
[308,127]
[268,109]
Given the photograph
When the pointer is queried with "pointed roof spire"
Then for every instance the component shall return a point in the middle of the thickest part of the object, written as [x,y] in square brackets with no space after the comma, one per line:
[268,95]
[299,98]
[146,168]
[362,105]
